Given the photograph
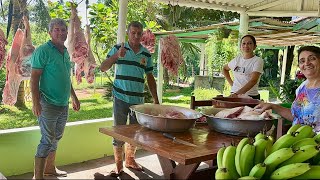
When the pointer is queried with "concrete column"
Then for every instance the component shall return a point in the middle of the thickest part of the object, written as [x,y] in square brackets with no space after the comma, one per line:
[244,24]
[284,64]
[123,10]
[160,75]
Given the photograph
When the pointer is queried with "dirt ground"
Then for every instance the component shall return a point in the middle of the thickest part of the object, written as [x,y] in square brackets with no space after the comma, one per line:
[85,93]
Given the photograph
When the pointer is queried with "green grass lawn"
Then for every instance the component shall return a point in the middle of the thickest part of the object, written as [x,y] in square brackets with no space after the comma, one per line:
[95,106]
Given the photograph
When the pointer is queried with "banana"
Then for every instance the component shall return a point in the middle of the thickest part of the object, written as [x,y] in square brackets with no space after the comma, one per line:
[303,132]
[269,146]
[247,178]
[284,141]
[301,155]
[228,161]
[312,134]
[293,128]
[313,173]
[316,159]
[276,158]
[259,136]
[303,142]
[219,156]
[246,159]
[222,173]
[317,138]
[258,170]
[259,155]
[290,171]
[241,144]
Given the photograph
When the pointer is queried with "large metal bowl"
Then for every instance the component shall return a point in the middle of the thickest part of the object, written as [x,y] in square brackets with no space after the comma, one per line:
[229,102]
[151,116]
[235,127]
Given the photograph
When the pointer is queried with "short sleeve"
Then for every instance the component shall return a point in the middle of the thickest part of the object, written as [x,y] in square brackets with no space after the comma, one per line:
[232,63]
[113,51]
[39,59]
[258,66]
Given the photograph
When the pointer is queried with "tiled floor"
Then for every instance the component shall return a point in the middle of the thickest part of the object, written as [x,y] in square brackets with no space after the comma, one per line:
[86,170]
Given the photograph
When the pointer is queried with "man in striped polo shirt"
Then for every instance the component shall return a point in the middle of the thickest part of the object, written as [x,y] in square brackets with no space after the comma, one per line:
[133,61]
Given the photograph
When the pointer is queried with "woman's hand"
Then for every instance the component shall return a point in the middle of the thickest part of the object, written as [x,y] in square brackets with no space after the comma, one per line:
[263,107]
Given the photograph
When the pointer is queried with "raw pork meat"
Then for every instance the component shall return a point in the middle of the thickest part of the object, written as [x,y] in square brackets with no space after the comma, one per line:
[18,63]
[245,113]
[89,62]
[171,56]
[148,40]
[76,43]
[3,43]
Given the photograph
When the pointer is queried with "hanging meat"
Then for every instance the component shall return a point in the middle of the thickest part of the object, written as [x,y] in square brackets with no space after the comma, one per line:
[148,40]
[89,62]
[76,43]
[171,56]
[18,65]
[3,43]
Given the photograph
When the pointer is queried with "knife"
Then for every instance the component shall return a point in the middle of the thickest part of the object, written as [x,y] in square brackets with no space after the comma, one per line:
[178,140]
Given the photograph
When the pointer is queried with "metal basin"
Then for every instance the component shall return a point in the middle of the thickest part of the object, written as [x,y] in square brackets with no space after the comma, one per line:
[236,127]
[228,102]
[151,116]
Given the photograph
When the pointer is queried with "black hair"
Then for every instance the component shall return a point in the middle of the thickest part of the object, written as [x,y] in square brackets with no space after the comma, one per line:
[251,37]
[135,24]
[314,49]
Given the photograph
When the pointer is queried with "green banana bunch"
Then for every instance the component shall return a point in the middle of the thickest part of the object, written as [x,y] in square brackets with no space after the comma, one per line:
[303,142]
[259,136]
[284,141]
[301,155]
[317,138]
[228,161]
[312,134]
[222,173]
[247,178]
[316,159]
[293,128]
[276,158]
[246,159]
[240,146]
[259,155]
[290,171]
[303,132]
[258,170]
[219,157]
[313,173]
[269,145]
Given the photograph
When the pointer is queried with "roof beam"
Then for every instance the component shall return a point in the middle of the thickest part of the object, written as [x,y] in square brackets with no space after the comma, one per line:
[284,13]
[202,5]
[269,5]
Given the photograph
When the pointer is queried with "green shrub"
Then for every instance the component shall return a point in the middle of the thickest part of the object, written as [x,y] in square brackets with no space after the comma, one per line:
[205,94]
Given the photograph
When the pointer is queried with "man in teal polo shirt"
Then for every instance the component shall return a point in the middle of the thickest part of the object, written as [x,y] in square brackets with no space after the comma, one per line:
[133,62]
[51,88]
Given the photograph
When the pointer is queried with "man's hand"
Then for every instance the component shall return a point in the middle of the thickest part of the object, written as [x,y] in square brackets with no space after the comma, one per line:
[75,104]
[122,51]
[36,109]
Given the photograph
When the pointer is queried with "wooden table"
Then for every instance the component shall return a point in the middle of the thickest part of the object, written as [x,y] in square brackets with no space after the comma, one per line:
[188,158]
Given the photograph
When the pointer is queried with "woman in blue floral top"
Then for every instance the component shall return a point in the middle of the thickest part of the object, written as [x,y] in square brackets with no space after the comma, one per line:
[306,106]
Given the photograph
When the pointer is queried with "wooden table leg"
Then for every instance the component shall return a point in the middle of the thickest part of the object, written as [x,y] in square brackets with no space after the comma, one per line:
[180,171]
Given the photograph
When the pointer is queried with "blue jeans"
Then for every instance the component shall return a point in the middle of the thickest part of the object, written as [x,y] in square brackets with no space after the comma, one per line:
[52,121]
[120,115]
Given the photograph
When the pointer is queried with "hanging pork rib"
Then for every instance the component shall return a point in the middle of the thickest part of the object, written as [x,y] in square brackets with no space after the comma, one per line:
[148,40]
[171,56]
[3,43]
[76,43]
[89,62]
[18,63]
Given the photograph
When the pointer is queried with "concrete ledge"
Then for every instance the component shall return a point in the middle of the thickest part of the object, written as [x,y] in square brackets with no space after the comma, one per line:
[81,142]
